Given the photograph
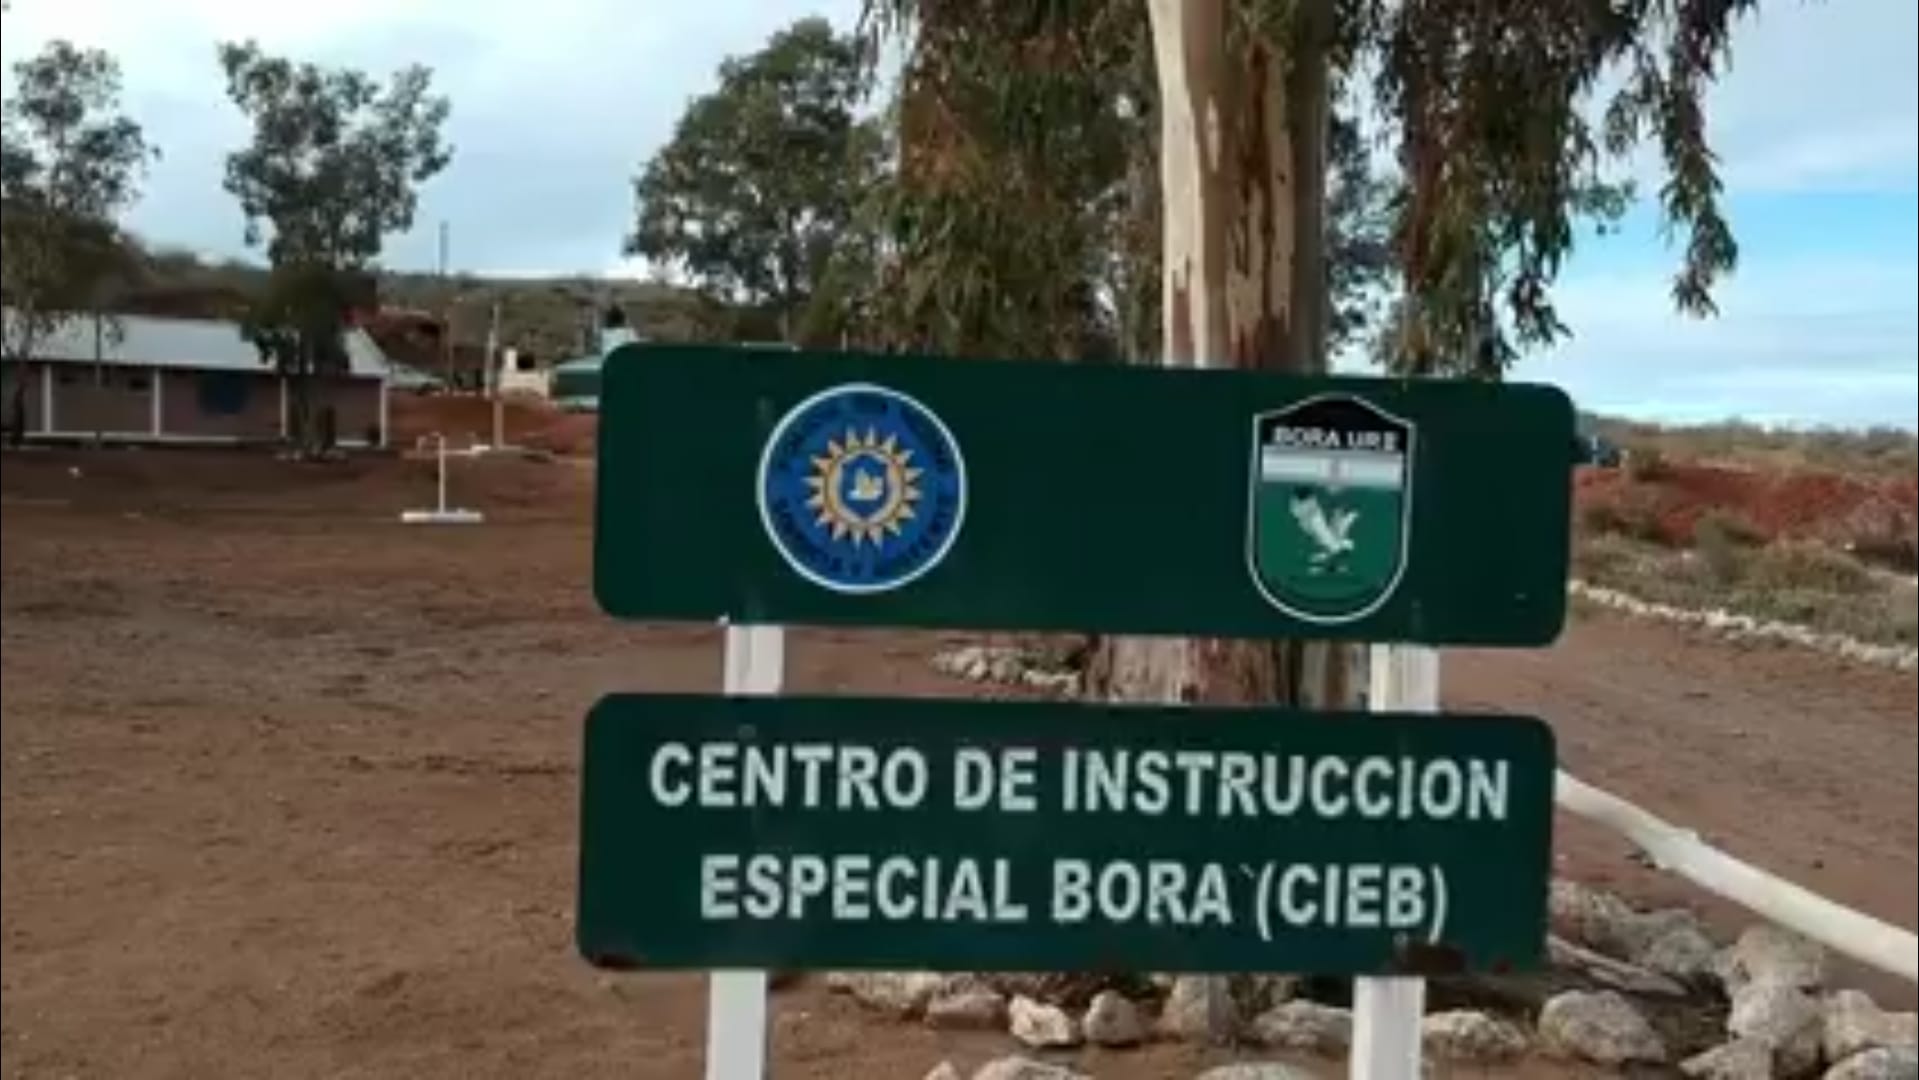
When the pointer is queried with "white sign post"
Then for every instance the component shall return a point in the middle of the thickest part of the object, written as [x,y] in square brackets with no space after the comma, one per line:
[736,1000]
[1387,1010]
[441,514]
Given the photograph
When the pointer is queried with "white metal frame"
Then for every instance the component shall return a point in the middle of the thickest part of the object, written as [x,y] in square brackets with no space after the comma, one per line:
[1862,937]
[1387,1010]
[755,664]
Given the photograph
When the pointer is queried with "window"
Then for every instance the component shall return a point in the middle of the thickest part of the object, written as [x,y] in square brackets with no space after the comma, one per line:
[223,393]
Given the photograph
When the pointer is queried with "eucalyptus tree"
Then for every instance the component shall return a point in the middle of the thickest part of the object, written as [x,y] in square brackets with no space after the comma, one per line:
[1507,122]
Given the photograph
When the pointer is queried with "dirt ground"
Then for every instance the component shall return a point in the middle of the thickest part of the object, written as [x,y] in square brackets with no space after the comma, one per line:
[288,789]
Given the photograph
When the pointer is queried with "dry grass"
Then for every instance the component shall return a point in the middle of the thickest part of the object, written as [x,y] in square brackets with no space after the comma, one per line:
[1815,528]
[1798,582]
[1875,453]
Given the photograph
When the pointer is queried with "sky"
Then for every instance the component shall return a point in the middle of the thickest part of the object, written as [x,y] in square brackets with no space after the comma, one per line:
[556,105]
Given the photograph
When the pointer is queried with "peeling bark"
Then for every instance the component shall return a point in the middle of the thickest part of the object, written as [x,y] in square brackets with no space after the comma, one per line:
[1242,176]
[1242,180]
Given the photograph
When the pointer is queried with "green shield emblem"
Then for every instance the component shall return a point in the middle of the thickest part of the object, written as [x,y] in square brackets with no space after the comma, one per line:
[1328,513]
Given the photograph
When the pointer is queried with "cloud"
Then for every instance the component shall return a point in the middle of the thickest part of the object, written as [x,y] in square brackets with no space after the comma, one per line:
[1821,95]
[555,107]
[1826,338]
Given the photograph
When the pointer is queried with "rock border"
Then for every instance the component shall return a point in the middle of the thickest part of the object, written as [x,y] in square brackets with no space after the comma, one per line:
[1765,991]
[1736,627]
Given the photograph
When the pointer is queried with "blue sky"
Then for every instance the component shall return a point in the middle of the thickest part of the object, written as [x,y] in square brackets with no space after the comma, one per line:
[555,106]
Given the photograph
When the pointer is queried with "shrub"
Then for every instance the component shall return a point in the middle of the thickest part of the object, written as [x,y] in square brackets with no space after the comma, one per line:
[1601,517]
[1629,510]
[1606,557]
[1790,566]
[1723,541]
[1880,531]
[1645,465]
[1902,616]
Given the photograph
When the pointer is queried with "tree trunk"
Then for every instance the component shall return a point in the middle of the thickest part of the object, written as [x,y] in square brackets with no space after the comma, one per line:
[299,420]
[1242,177]
[1242,180]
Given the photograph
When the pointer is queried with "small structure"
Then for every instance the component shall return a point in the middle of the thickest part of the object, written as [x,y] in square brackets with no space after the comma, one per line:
[574,385]
[167,380]
[520,375]
[441,513]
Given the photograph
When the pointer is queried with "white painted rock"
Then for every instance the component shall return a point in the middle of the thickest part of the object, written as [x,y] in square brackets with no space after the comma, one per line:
[1885,1063]
[1681,952]
[1854,1024]
[1466,1035]
[1184,1014]
[1591,917]
[977,1008]
[985,663]
[902,994]
[1270,990]
[1305,1025]
[1643,930]
[1039,1025]
[1604,921]
[1767,953]
[1111,1020]
[1741,1059]
[1619,975]
[1783,1018]
[1020,1068]
[1602,1027]
[1253,1070]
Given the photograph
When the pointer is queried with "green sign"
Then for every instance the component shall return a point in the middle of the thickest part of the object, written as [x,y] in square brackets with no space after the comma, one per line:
[776,832]
[817,488]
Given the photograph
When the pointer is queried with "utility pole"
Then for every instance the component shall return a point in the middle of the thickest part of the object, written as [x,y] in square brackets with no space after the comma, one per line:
[446,312]
[493,374]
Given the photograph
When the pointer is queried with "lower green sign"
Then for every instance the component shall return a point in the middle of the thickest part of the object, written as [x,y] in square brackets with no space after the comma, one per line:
[947,834]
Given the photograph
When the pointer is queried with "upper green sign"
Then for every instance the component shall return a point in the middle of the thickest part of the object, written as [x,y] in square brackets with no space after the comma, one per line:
[830,832]
[909,491]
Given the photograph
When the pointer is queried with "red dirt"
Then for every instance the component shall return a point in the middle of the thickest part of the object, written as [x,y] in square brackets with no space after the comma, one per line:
[1810,505]
[288,789]
[1804,505]
[466,420]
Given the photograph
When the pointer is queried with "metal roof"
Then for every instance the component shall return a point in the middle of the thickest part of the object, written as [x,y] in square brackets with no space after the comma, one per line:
[199,344]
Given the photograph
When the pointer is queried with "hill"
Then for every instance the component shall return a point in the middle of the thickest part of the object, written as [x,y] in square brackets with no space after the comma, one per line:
[549,319]
[1869,453]
[1819,529]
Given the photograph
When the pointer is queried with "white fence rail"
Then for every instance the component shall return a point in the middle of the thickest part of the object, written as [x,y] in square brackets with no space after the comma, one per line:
[1680,851]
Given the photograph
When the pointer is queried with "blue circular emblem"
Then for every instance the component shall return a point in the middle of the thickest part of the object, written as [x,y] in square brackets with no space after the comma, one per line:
[861,488]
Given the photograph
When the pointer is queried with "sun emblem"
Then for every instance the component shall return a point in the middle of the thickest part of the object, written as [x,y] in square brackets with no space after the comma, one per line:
[863,487]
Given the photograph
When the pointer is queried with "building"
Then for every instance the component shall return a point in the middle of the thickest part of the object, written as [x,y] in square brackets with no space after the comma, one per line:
[421,344]
[574,385]
[521,376]
[168,380]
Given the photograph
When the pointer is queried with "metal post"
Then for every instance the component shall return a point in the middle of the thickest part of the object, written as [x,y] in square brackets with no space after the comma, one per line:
[755,663]
[1387,1011]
